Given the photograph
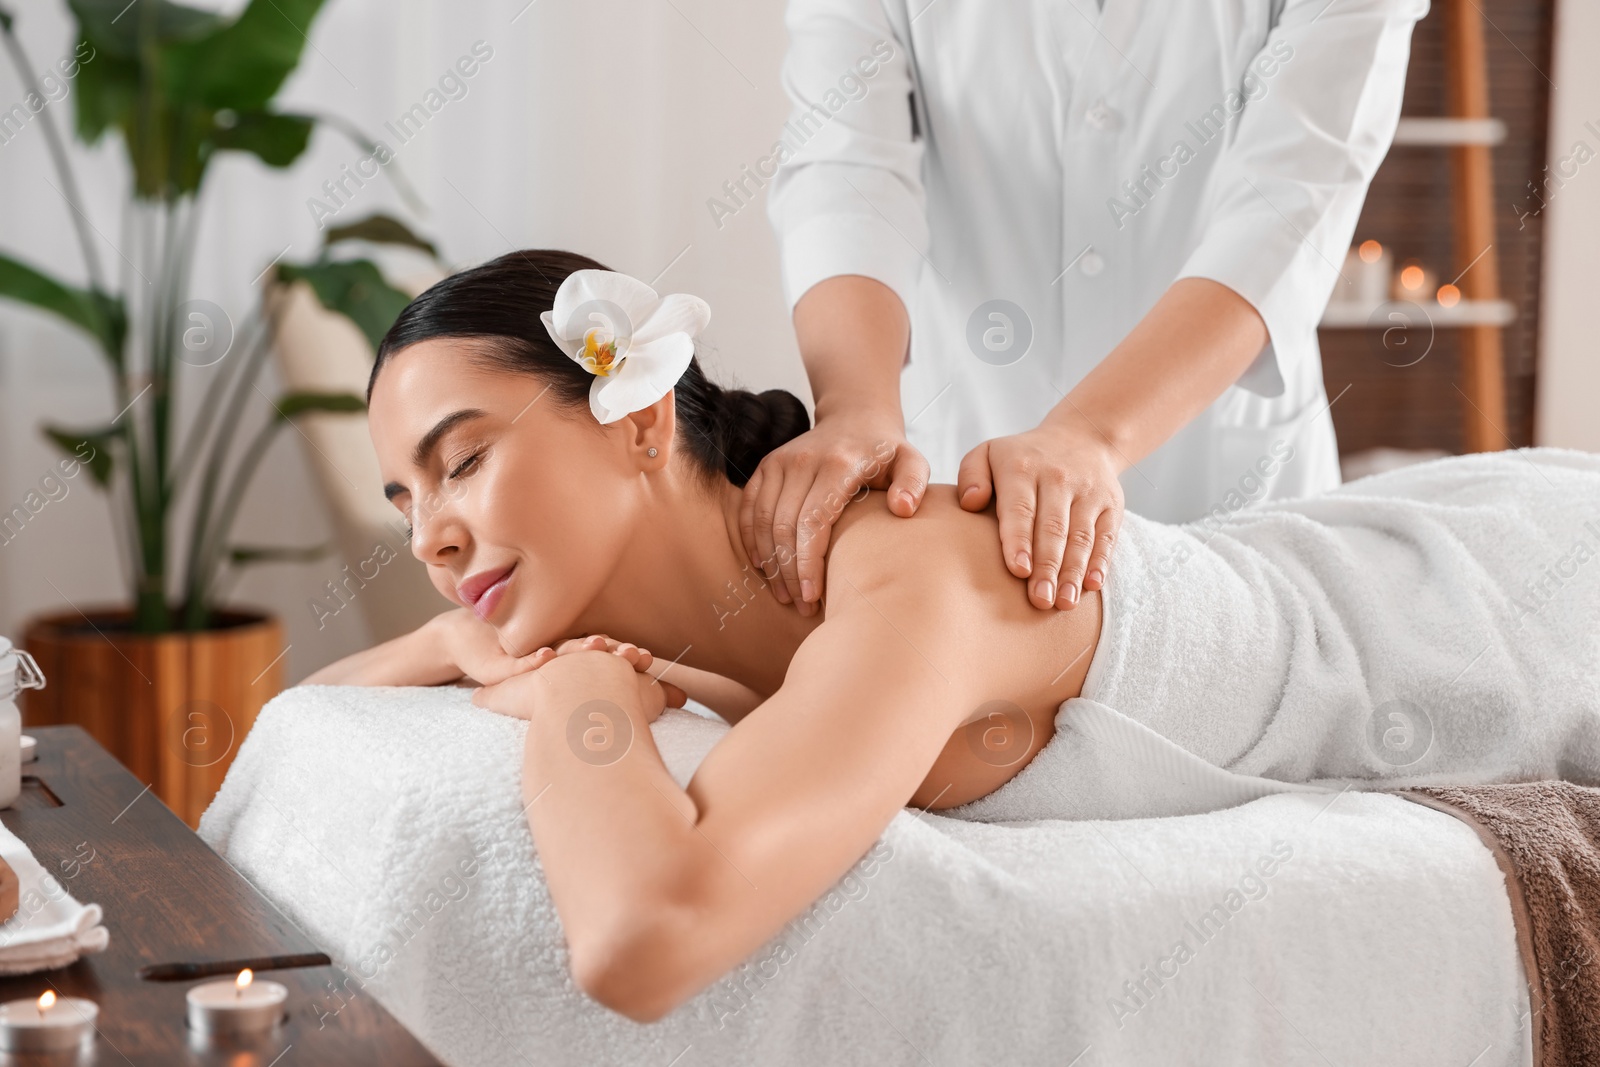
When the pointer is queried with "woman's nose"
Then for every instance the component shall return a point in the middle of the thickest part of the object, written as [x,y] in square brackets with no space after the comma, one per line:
[435,534]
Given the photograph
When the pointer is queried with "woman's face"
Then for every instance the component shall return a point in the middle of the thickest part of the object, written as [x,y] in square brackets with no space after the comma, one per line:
[519,509]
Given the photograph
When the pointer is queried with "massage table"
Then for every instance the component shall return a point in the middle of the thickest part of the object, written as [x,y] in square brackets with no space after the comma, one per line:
[1317,927]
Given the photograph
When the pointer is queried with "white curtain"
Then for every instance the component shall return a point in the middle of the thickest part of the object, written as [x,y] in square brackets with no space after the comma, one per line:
[600,126]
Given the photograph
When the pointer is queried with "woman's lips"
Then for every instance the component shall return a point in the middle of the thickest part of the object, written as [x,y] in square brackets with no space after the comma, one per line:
[475,586]
[484,606]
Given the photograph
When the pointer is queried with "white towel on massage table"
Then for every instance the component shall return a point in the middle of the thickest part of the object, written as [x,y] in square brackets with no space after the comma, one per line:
[1303,927]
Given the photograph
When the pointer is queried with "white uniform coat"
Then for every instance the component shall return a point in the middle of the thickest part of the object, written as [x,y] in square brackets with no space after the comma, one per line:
[1031,175]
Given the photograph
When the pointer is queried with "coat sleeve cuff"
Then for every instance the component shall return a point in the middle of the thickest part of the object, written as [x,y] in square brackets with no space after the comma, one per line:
[831,245]
[1286,281]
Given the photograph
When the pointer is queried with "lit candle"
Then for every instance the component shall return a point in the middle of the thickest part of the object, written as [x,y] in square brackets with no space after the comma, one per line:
[47,1024]
[237,1006]
[1413,282]
[1449,296]
[1372,266]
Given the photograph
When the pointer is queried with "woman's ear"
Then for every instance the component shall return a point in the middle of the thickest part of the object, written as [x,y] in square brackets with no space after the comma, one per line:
[653,427]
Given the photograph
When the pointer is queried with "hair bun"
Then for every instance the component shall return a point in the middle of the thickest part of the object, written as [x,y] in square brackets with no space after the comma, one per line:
[749,425]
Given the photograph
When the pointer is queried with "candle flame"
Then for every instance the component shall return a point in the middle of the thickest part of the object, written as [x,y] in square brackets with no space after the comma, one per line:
[1411,277]
[1370,251]
[246,976]
[1449,296]
[46,999]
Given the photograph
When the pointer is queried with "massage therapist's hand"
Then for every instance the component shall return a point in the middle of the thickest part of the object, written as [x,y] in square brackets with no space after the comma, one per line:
[1059,504]
[797,493]
[565,681]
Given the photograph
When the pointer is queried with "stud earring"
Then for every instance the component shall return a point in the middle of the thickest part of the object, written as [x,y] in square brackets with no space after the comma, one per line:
[651,452]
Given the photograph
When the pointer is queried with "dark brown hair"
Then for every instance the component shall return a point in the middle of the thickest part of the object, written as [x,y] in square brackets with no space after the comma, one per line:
[726,432]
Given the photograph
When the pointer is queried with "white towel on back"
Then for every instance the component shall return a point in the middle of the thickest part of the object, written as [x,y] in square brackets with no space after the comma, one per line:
[1437,624]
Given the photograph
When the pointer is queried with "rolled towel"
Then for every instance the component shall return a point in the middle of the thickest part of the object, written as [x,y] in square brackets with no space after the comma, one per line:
[51,927]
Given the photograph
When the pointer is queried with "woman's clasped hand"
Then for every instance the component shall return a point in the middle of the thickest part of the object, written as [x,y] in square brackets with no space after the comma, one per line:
[594,664]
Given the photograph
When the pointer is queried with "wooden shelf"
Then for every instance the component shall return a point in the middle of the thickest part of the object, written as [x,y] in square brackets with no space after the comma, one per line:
[1348,315]
[1449,132]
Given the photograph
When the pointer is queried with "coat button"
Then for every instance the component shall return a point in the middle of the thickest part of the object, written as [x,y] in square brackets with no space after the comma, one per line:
[1102,116]
[1091,263]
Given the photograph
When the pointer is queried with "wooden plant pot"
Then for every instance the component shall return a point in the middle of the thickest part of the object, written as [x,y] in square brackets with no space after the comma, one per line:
[172,707]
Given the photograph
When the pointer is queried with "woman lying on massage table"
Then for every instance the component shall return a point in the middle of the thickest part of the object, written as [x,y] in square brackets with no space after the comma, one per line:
[568,470]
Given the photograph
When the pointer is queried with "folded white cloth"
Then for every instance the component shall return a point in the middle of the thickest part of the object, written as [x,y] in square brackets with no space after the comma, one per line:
[1303,928]
[51,928]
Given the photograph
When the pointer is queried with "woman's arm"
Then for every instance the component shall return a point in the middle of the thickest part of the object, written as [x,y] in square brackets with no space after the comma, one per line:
[415,658]
[662,889]
[722,695]
[447,648]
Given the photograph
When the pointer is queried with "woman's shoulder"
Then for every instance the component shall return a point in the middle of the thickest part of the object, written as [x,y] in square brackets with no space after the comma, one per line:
[869,511]
[938,579]
[871,544]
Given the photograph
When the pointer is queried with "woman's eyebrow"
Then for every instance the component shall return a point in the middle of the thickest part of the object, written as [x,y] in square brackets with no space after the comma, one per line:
[430,441]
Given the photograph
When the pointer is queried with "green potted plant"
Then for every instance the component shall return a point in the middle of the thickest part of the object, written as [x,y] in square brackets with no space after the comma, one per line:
[172,680]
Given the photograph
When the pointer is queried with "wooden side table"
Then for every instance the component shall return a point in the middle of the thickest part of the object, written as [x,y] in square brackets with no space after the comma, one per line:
[170,902]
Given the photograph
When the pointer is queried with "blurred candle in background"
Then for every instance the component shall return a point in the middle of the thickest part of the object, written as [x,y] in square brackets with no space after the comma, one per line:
[1372,266]
[1414,282]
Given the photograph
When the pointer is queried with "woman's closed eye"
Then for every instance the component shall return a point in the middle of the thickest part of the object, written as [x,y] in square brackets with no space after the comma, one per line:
[461,469]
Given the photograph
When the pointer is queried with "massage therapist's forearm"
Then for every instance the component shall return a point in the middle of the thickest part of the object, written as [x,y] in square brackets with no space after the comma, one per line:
[853,333]
[1194,343]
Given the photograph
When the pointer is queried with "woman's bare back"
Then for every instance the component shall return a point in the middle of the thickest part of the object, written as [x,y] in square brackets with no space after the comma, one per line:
[1030,660]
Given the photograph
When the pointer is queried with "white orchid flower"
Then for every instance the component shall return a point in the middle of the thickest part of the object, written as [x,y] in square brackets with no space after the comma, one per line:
[637,344]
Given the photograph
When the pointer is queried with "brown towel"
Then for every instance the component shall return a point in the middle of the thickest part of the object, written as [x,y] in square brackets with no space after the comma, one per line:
[1546,837]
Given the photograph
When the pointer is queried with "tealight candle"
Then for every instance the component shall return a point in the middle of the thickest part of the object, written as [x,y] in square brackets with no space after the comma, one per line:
[46,1024]
[236,1006]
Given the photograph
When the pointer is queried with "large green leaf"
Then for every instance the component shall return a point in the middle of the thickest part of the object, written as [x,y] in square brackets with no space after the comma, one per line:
[182,84]
[244,64]
[101,315]
[100,441]
[106,92]
[277,140]
[354,288]
[380,229]
[116,26]
[291,404]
